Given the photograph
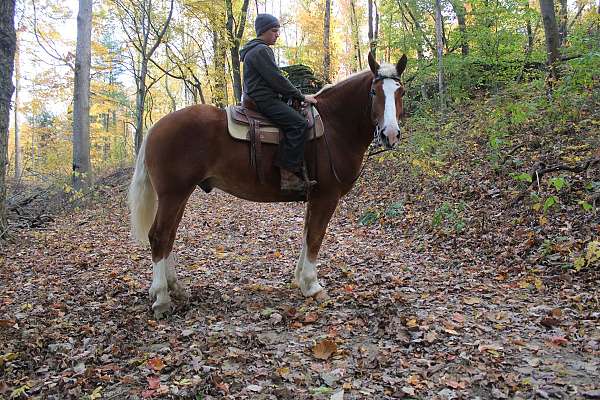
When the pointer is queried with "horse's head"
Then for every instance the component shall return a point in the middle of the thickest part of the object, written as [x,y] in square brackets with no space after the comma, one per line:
[386,100]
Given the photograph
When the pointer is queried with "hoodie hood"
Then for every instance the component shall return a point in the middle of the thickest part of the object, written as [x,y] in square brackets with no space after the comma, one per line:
[249,46]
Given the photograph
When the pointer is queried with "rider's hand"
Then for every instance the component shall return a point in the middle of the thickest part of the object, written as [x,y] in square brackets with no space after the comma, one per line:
[310,99]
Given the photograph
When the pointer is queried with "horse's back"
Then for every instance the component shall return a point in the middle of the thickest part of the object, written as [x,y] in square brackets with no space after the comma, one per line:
[179,144]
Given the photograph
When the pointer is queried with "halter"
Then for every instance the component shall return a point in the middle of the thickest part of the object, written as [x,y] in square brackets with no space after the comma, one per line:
[377,79]
[368,110]
[372,94]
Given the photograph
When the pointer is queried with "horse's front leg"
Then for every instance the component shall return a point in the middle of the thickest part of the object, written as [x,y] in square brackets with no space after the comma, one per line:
[318,214]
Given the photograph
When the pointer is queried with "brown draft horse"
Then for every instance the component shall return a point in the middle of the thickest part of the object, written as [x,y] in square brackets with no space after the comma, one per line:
[191,147]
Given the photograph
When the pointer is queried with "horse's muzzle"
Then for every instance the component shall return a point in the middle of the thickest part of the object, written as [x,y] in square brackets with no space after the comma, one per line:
[385,140]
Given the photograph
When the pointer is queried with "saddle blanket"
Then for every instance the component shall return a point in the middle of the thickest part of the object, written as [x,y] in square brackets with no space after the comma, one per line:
[268,132]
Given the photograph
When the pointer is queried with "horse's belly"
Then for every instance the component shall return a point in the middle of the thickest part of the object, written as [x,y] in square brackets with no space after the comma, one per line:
[251,191]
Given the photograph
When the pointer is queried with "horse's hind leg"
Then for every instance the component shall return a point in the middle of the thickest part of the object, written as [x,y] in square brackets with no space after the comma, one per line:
[318,214]
[162,236]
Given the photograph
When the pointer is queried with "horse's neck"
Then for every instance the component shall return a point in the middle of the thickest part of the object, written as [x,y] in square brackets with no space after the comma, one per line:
[349,105]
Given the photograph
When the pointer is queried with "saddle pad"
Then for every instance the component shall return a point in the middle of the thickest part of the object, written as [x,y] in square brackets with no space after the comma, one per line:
[268,134]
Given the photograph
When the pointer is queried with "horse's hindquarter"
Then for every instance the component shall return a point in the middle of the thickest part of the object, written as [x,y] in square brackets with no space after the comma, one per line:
[192,147]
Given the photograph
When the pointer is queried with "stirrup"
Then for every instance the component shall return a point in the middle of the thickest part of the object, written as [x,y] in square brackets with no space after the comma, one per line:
[308,183]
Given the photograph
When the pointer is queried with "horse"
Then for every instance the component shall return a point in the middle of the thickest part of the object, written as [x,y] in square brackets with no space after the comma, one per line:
[191,147]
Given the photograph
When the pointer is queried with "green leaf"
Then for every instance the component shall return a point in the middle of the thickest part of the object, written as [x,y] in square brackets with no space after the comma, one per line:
[523,177]
[558,183]
[20,391]
[585,205]
[369,218]
[579,263]
[395,210]
[550,201]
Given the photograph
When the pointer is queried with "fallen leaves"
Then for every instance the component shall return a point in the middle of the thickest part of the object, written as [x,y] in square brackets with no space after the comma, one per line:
[412,313]
[471,300]
[156,364]
[324,349]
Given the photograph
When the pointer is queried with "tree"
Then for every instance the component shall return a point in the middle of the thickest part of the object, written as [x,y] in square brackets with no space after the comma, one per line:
[551,32]
[372,38]
[562,26]
[18,154]
[355,34]
[440,51]
[326,37]
[139,24]
[8,44]
[81,97]
[461,13]
[235,34]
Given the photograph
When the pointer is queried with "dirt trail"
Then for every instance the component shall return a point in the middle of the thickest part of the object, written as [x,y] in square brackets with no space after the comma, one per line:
[403,320]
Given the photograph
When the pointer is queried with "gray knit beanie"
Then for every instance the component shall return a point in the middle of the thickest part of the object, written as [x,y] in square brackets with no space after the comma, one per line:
[264,22]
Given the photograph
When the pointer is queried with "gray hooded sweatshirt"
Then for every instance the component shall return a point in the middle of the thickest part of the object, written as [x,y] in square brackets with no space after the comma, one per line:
[263,80]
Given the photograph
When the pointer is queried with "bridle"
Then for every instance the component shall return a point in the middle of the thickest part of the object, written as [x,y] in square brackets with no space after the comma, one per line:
[372,94]
[376,123]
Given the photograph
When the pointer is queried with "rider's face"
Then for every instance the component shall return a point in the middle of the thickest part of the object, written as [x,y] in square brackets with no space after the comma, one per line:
[270,36]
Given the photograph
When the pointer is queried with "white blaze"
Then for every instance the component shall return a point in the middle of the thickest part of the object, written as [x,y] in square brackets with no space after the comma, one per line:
[390,123]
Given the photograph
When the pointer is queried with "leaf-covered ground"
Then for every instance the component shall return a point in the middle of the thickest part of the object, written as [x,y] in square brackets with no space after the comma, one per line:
[448,278]
[76,318]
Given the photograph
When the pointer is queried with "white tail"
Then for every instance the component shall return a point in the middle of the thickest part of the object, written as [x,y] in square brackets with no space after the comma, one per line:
[142,198]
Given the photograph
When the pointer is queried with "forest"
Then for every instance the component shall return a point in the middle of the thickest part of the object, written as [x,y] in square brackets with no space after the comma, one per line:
[462,263]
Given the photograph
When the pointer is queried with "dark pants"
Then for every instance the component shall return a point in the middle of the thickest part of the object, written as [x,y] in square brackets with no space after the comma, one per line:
[290,154]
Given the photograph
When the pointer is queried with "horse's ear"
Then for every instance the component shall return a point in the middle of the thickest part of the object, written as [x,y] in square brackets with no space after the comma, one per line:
[401,64]
[373,64]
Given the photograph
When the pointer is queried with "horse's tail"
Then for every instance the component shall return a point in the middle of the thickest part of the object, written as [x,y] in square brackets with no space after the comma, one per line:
[142,198]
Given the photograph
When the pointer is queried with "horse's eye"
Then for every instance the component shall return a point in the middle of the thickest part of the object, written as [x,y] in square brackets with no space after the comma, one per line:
[372,92]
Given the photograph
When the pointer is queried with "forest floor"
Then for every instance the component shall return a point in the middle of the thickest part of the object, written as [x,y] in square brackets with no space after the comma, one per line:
[439,289]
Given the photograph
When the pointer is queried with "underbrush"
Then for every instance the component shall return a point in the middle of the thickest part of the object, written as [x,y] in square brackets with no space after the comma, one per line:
[35,203]
[514,176]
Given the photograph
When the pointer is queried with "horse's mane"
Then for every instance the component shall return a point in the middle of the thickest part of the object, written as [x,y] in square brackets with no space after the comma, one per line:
[385,70]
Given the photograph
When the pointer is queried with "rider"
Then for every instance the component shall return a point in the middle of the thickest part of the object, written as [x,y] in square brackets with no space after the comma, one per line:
[265,84]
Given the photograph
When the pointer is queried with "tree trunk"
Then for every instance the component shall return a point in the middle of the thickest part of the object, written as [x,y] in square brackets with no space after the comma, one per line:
[171,95]
[529,38]
[140,99]
[461,17]
[81,97]
[440,52]
[355,34]
[235,37]
[18,151]
[219,94]
[562,26]
[376,32]
[326,48]
[8,43]
[551,32]
[372,44]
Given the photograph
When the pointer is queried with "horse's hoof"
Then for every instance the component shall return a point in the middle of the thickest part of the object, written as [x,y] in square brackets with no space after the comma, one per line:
[312,290]
[153,292]
[160,310]
[321,296]
[181,294]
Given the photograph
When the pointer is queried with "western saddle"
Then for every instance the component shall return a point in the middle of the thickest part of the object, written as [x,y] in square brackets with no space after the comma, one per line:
[244,122]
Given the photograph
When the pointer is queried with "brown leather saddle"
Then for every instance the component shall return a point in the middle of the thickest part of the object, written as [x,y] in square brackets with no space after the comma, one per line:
[244,122]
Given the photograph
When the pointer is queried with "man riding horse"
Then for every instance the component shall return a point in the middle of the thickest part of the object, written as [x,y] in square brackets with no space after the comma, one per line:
[266,86]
